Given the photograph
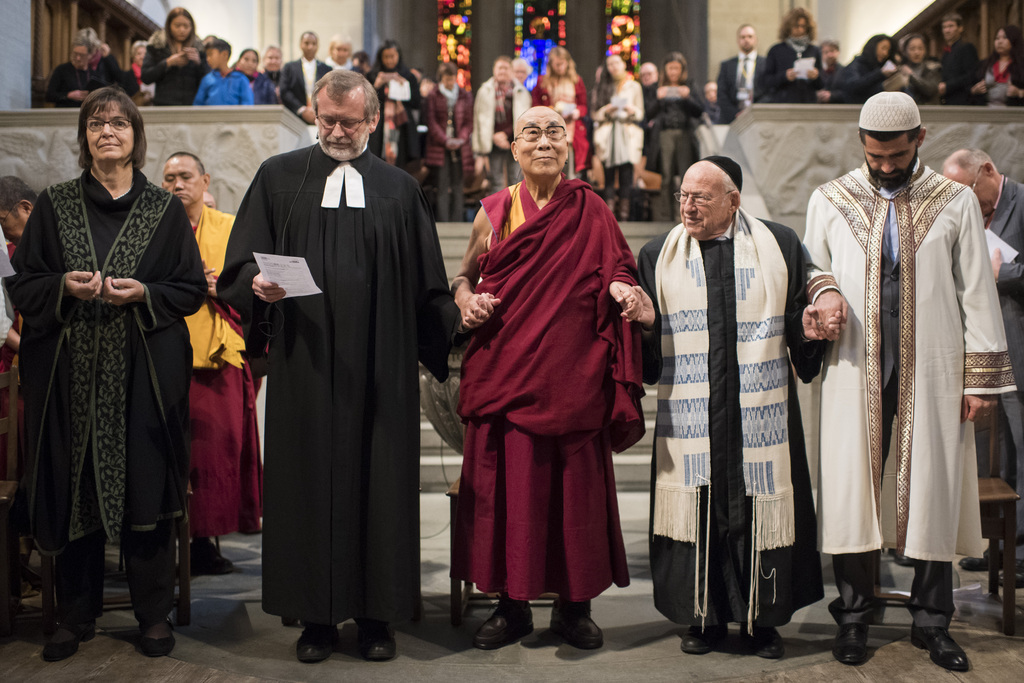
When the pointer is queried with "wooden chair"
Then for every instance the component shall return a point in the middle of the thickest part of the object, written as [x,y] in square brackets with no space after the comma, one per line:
[463,593]
[999,522]
[10,575]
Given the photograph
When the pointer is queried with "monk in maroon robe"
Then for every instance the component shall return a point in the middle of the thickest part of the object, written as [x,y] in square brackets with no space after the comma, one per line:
[551,385]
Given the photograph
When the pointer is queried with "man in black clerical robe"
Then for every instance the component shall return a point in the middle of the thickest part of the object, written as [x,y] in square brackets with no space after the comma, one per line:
[341,508]
[696,350]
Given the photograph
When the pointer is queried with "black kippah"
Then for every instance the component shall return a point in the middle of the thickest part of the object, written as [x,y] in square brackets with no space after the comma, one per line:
[731,168]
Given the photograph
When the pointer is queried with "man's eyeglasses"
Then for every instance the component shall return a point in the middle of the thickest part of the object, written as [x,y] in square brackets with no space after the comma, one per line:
[118,125]
[697,199]
[533,133]
[348,126]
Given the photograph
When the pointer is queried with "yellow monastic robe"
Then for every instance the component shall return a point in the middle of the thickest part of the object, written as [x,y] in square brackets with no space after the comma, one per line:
[951,343]
[214,343]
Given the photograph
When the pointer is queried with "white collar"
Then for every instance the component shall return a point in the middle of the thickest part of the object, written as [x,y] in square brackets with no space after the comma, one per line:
[753,53]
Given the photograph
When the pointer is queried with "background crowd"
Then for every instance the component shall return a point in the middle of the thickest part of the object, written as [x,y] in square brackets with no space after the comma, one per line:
[631,134]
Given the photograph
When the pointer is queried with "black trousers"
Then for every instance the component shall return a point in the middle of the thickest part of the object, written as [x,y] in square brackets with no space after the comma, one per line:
[149,562]
[931,594]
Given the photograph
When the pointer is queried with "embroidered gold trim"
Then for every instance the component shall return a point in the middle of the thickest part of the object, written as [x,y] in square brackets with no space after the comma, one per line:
[987,370]
[819,283]
[908,350]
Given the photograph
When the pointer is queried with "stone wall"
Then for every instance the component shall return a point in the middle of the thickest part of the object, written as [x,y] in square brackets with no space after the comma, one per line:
[40,145]
[788,151]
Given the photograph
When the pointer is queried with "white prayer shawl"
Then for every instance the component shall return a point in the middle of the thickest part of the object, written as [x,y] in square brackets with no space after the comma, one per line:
[951,343]
[682,443]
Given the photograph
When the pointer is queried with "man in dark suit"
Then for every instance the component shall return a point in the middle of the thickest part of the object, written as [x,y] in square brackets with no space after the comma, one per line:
[959,60]
[831,70]
[299,77]
[1002,206]
[737,87]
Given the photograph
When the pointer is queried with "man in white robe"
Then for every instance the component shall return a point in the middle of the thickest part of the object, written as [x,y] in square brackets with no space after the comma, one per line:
[901,250]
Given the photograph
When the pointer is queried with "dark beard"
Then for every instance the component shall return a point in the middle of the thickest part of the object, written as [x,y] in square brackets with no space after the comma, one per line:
[893,181]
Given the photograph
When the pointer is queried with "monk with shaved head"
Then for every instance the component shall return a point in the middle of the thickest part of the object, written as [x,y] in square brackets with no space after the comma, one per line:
[550,387]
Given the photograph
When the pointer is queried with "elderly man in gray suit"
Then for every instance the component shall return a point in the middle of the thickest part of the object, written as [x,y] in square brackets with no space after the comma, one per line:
[1002,206]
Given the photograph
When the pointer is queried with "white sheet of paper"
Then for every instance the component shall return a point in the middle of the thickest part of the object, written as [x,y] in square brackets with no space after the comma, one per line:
[802,66]
[354,197]
[5,264]
[567,109]
[995,242]
[288,272]
[619,102]
[399,91]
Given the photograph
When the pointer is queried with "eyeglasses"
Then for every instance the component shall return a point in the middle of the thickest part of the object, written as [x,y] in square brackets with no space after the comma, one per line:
[697,199]
[348,126]
[79,55]
[533,133]
[118,125]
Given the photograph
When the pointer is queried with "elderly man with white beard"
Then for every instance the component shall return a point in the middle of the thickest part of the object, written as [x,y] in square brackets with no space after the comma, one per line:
[341,509]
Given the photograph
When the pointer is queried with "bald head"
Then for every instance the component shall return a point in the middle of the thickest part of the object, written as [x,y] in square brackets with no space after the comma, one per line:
[542,117]
[975,169]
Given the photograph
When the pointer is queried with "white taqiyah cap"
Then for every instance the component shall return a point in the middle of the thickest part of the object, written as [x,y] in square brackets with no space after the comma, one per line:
[890,112]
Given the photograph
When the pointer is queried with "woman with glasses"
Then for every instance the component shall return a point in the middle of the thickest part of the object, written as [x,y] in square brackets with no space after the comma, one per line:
[107,270]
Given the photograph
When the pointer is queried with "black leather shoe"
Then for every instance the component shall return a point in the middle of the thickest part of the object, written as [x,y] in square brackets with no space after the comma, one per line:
[977,564]
[204,558]
[943,650]
[512,620]
[851,644]
[64,642]
[701,642]
[316,643]
[572,621]
[766,642]
[902,560]
[376,640]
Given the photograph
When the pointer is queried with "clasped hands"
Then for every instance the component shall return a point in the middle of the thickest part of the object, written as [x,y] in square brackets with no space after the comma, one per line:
[636,304]
[826,317]
[116,291]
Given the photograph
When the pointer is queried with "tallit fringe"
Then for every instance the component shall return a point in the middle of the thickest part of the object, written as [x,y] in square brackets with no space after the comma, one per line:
[774,521]
[676,513]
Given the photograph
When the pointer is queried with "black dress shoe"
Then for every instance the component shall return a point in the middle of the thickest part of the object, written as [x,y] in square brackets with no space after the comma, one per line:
[316,643]
[572,621]
[512,620]
[943,650]
[902,560]
[160,646]
[376,640]
[64,642]
[766,642]
[205,559]
[701,642]
[851,644]
[977,564]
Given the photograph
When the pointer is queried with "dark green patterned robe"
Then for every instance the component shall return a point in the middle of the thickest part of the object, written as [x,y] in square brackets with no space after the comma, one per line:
[106,387]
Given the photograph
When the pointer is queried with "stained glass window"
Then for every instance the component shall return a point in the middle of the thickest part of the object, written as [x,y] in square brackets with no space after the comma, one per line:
[454,36]
[623,25]
[539,26]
